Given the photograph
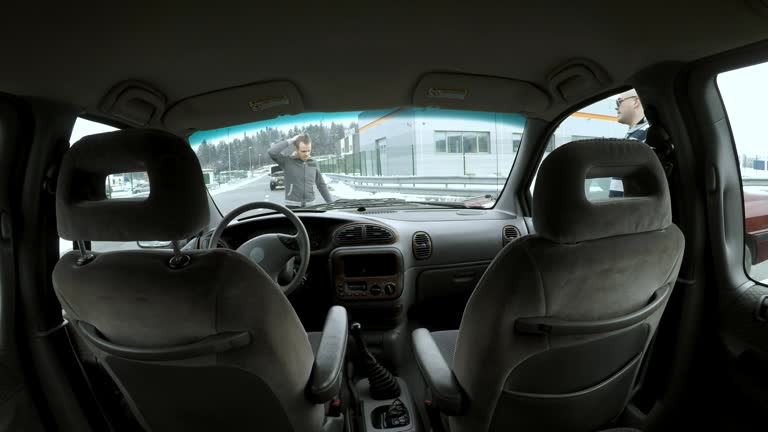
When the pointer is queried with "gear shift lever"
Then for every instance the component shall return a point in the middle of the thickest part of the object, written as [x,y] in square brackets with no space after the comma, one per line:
[383,384]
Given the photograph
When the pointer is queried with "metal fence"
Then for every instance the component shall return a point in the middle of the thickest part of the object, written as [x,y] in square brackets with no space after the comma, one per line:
[754,182]
[361,163]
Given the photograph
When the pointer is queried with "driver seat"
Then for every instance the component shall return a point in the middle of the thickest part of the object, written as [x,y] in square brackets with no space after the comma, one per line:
[196,340]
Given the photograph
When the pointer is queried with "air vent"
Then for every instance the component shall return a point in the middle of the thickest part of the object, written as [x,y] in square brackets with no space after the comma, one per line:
[378,234]
[510,233]
[422,245]
[350,235]
[360,234]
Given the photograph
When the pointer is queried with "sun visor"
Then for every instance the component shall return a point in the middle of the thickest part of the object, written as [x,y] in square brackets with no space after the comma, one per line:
[238,105]
[134,102]
[576,80]
[479,93]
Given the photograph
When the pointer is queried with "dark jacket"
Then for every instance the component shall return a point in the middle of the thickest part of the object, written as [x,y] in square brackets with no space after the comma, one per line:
[639,131]
[301,177]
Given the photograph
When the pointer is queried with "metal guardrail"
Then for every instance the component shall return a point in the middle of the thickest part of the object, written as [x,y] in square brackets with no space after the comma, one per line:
[465,186]
[754,181]
[420,180]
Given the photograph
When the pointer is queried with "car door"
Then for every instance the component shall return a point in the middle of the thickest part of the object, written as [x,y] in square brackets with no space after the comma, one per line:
[17,411]
[729,94]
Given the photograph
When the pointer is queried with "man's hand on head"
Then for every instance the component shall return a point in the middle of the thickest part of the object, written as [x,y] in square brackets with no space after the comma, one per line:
[293,139]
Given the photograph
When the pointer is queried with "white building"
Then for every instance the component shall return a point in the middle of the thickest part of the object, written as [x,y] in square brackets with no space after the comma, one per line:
[434,142]
[349,144]
[594,121]
[116,182]
[427,142]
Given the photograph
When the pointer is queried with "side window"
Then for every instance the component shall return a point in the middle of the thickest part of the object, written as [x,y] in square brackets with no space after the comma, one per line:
[744,94]
[618,116]
[116,186]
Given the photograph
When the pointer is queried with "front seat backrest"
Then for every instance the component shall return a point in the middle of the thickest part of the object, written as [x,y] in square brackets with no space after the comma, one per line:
[554,334]
[208,342]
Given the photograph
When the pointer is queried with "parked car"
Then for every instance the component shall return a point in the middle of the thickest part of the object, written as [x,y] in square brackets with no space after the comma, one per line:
[277,178]
[756,226]
[140,187]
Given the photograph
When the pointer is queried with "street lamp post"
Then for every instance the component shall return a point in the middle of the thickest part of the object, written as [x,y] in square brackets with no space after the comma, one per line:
[229,149]
[250,162]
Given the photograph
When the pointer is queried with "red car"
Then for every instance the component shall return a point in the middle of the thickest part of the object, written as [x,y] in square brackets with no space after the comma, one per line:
[756,226]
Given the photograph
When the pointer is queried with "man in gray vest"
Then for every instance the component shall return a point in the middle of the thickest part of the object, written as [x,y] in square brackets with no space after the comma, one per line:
[302,173]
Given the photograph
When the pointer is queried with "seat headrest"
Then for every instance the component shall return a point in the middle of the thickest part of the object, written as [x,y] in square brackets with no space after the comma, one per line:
[177,205]
[563,214]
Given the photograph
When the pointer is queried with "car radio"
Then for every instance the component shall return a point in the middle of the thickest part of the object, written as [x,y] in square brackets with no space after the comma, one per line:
[367,274]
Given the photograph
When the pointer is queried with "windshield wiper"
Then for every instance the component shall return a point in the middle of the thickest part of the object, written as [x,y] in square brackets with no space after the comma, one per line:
[441,204]
[350,203]
[393,202]
[472,203]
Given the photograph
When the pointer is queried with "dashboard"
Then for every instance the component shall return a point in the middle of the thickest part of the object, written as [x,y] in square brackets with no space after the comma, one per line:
[380,262]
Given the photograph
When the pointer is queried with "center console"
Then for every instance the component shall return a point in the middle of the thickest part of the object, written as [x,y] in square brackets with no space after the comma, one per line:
[384,401]
[367,274]
[391,415]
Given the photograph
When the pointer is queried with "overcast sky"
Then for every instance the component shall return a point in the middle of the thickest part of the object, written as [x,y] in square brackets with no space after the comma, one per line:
[745,93]
[86,127]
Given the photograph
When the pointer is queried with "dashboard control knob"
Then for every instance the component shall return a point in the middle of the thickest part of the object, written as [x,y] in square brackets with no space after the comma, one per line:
[389,289]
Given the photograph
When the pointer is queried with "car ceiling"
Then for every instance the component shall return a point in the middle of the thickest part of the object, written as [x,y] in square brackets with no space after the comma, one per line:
[350,57]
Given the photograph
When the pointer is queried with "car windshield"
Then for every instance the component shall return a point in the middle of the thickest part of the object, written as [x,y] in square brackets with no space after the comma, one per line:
[404,157]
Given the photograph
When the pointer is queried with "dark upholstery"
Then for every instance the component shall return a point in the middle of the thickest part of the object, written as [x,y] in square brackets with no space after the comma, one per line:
[588,262]
[561,211]
[135,301]
[177,205]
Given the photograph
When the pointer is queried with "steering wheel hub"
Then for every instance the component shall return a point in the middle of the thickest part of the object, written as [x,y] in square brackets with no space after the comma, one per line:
[272,252]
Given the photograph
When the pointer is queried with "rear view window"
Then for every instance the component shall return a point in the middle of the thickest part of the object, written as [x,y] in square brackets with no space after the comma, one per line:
[127,185]
[744,94]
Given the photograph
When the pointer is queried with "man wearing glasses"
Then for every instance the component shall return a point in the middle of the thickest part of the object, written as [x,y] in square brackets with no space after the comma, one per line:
[630,112]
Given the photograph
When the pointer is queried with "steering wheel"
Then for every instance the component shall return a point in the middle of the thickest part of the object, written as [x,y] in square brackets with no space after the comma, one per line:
[272,252]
